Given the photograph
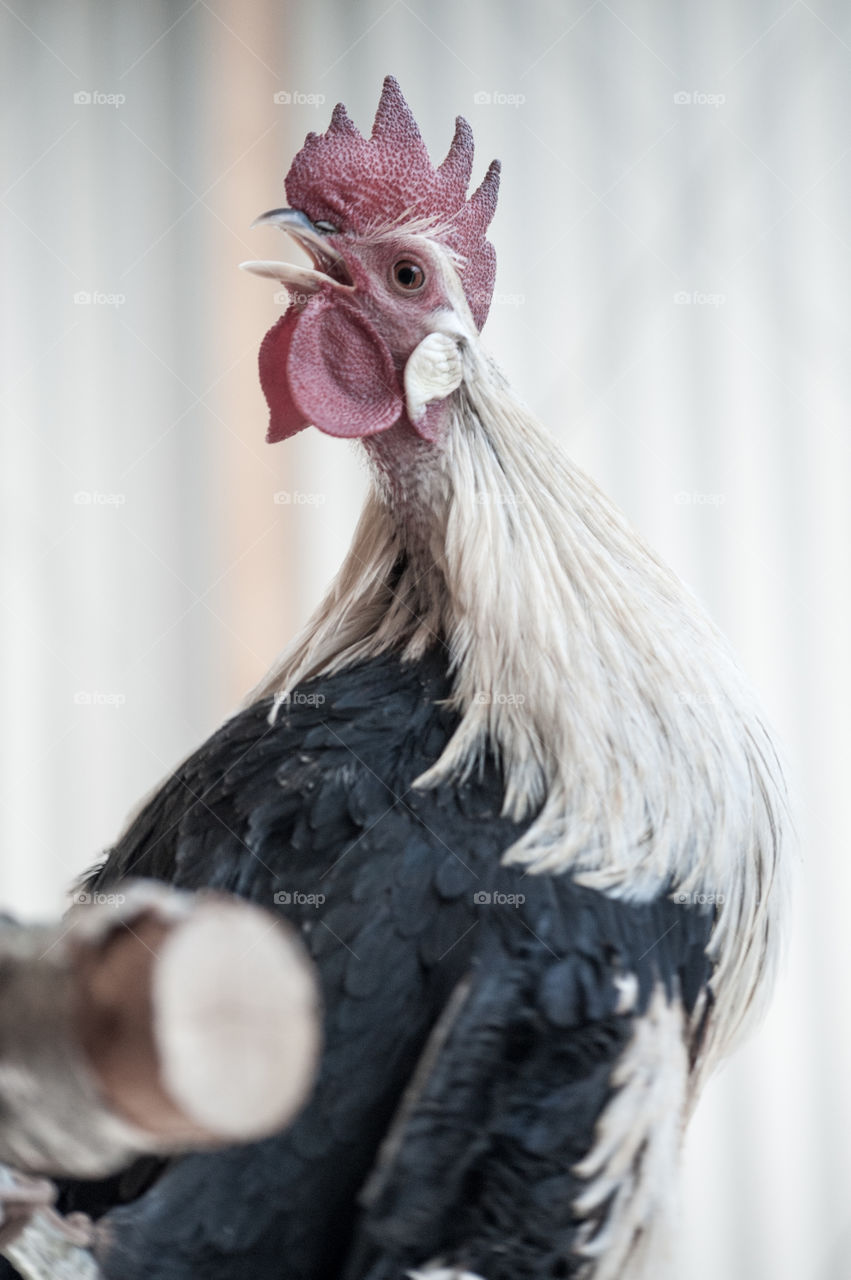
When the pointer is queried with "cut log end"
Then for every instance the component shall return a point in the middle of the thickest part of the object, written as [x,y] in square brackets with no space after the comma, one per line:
[151,1021]
[236,1021]
[203,1029]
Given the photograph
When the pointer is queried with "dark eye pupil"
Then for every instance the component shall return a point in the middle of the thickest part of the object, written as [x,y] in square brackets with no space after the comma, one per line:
[409,275]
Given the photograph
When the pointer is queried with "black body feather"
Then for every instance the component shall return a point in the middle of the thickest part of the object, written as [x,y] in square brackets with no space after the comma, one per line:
[408,913]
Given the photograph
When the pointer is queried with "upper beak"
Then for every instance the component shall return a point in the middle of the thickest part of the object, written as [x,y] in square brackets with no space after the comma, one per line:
[329,267]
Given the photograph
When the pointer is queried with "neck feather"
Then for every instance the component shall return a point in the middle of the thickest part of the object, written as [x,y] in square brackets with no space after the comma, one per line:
[621,722]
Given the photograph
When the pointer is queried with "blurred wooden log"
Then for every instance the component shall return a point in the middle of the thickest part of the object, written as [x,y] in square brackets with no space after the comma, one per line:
[38,1243]
[149,1021]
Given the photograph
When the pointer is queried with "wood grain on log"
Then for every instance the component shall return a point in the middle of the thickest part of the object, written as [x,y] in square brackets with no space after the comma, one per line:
[149,1022]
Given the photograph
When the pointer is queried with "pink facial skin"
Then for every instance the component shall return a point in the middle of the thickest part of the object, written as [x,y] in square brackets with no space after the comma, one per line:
[336,358]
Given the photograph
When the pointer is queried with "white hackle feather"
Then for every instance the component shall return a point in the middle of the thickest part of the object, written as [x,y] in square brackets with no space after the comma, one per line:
[623,725]
[628,1204]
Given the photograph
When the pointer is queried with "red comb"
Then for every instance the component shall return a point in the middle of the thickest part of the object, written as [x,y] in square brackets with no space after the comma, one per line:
[359,183]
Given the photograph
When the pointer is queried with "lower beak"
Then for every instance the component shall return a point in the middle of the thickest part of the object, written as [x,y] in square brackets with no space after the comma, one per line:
[329,268]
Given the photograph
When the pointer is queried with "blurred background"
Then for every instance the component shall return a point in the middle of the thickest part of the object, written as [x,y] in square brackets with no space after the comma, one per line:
[672,299]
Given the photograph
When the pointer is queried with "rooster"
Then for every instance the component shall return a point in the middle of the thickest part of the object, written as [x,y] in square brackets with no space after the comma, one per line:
[509,782]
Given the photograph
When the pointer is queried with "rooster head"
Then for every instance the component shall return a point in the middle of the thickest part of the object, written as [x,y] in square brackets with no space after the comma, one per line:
[401,277]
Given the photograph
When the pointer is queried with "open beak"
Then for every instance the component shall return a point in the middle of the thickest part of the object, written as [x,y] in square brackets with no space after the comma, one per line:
[329,268]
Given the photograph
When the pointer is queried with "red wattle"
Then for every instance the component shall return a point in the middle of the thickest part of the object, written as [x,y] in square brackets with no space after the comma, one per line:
[285,418]
[340,374]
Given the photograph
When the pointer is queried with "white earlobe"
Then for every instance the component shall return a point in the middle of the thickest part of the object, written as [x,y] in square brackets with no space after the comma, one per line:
[433,371]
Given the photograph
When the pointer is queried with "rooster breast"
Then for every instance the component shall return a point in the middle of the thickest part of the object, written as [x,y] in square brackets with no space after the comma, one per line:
[498,1003]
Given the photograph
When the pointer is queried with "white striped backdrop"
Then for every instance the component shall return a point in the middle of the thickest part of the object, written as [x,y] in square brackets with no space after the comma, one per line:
[148,575]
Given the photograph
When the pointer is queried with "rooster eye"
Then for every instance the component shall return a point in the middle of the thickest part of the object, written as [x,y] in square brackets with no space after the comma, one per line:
[408,275]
